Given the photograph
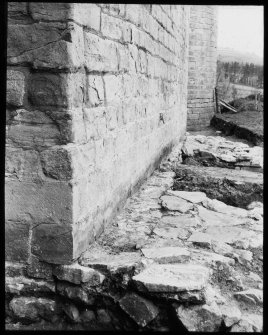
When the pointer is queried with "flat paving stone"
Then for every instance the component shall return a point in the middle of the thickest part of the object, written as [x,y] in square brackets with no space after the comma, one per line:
[167,254]
[174,203]
[173,277]
[194,197]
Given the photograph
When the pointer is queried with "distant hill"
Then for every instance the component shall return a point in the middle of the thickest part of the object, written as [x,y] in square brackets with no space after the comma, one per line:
[231,55]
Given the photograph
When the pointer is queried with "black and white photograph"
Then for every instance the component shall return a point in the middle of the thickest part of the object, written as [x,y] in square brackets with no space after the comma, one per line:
[133,189]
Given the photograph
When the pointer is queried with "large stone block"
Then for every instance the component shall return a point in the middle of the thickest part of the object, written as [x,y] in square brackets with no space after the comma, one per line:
[95,91]
[57,163]
[32,129]
[50,202]
[53,243]
[17,241]
[64,90]
[23,164]
[100,54]
[46,45]
[50,11]
[15,88]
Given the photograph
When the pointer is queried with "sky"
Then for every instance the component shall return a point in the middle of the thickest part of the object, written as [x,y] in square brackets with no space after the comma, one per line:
[241,28]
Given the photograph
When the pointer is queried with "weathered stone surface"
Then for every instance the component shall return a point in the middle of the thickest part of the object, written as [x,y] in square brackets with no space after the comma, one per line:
[173,277]
[141,310]
[15,231]
[173,203]
[244,256]
[212,218]
[221,207]
[15,88]
[38,269]
[87,316]
[62,90]
[72,312]
[125,261]
[194,197]
[255,204]
[167,255]
[231,314]
[46,45]
[209,258]
[103,316]
[172,233]
[23,285]
[249,323]
[78,274]
[13,269]
[49,202]
[200,318]
[227,158]
[31,308]
[250,296]
[56,163]
[53,243]
[179,221]
[237,237]
[75,293]
[201,239]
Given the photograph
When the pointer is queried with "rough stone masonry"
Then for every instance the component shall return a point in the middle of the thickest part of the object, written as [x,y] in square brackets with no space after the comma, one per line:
[96,96]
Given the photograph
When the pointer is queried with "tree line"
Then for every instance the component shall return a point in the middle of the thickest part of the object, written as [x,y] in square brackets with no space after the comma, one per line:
[240,73]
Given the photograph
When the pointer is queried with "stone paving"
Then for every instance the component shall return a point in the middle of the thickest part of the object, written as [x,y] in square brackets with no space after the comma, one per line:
[188,243]
[169,255]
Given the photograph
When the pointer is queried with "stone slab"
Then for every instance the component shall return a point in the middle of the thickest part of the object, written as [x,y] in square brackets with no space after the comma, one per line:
[173,277]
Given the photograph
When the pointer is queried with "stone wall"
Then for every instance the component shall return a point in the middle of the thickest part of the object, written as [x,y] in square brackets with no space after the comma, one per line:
[96,95]
[229,91]
[202,66]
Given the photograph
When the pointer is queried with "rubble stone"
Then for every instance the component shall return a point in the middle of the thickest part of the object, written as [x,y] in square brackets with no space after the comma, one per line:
[141,310]
[167,254]
[173,277]
[173,203]
[200,318]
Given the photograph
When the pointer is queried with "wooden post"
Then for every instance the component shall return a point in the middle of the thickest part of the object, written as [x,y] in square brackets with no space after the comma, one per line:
[256,101]
[216,99]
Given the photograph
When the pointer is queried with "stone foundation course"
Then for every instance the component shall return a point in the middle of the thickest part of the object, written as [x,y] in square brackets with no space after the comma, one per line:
[170,260]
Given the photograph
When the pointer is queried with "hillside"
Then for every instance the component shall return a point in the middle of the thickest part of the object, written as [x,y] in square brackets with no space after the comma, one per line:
[231,55]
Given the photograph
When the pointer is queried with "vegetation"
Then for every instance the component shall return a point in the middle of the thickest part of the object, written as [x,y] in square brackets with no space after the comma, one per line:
[240,73]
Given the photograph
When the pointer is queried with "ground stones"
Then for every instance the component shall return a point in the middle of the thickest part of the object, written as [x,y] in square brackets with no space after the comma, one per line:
[200,318]
[139,309]
[167,255]
[173,203]
[173,277]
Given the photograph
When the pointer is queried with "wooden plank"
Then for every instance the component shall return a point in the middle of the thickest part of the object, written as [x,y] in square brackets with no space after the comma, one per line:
[226,105]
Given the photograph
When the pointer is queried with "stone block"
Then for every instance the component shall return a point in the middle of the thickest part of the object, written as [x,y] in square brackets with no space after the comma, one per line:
[141,310]
[50,202]
[113,9]
[87,14]
[95,91]
[23,164]
[53,243]
[100,54]
[33,129]
[111,27]
[25,286]
[31,308]
[114,89]
[50,11]
[14,232]
[15,88]
[63,90]
[46,45]
[75,293]
[38,269]
[57,163]
[78,274]
[17,10]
